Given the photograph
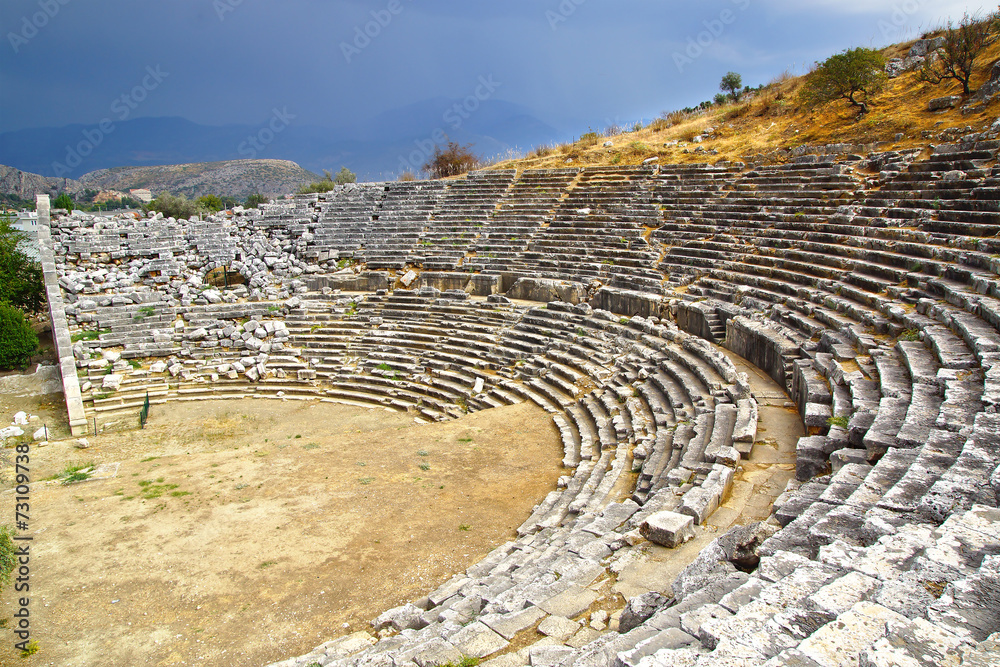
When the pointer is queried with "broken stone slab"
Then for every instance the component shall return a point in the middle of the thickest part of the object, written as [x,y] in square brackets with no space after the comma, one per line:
[545,290]
[740,543]
[548,655]
[847,456]
[639,609]
[477,640]
[711,564]
[668,640]
[508,625]
[745,431]
[721,440]
[812,457]
[570,603]
[558,627]
[437,652]
[112,382]
[401,618]
[700,502]
[668,529]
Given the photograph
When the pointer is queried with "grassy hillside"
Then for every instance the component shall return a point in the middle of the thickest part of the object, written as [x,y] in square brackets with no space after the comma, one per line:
[775,118]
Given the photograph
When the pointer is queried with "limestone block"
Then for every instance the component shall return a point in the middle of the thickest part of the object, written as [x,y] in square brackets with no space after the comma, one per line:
[112,382]
[669,529]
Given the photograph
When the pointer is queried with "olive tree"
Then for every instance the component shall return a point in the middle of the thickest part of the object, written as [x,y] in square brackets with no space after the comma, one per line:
[855,75]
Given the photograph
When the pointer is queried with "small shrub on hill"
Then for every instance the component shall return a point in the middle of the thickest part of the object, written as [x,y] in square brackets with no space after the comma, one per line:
[963,44]
[451,161]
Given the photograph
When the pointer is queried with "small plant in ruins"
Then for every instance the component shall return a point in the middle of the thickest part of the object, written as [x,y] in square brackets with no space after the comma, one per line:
[77,473]
[467,661]
[841,421]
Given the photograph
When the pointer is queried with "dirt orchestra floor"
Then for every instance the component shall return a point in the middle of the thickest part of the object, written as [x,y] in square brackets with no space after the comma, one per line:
[245,532]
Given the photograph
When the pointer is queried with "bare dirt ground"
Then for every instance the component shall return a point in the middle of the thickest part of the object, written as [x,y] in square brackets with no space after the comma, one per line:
[243,532]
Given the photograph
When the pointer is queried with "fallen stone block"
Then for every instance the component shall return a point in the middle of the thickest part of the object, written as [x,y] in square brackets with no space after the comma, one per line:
[669,529]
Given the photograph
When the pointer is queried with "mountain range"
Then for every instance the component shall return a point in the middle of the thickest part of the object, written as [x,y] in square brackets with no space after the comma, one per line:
[237,178]
[378,149]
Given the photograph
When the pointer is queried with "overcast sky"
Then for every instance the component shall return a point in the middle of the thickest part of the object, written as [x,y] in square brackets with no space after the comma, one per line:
[572,63]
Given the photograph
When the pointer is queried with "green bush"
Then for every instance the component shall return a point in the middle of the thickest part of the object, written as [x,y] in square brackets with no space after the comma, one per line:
[17,341]
[8,561]
[177,206]
[255,200]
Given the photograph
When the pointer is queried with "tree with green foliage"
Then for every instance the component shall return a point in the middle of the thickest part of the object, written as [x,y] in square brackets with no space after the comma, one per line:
[345,176]
[856,75]
[451,161]
[732,85]
[324,185]
[720,99]
[116,204]
[255,200]
[17,340]
[963,44]
[21,282]
[210,202]
[177,206]
[63,201]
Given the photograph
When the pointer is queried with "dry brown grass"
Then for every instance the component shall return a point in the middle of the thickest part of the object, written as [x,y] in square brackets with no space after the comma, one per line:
[775,118]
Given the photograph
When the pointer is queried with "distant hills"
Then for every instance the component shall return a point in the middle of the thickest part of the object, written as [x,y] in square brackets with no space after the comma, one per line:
[377,149]
[238,178]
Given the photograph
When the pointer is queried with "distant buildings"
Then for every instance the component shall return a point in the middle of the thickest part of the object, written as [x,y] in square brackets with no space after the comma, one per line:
[110,195]
[27,222]
[142,194]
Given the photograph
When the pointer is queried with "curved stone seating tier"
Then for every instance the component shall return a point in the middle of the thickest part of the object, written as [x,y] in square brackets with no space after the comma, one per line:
[868,288]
